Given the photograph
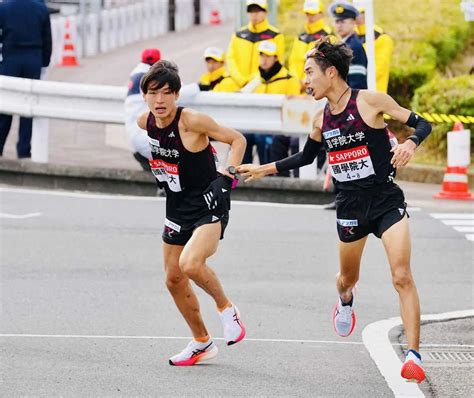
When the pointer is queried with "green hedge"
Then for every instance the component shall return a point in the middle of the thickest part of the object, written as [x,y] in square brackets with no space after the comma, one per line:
[449,96]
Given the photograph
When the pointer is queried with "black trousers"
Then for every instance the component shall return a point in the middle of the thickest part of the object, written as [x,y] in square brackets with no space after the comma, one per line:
[25,63]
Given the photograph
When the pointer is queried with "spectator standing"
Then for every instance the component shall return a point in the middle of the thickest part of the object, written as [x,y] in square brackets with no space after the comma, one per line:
[314,28]
[273,78]
[383,51]
[344,15]
[217,78]
[242,54]
[26,48]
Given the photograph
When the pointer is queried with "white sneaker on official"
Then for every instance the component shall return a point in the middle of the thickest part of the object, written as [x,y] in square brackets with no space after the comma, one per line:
[194,352]
[234,329]
[343,318]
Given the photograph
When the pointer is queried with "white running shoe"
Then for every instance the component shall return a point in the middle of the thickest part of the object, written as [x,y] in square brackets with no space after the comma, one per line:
[194,352]
[234,329]
[343,318]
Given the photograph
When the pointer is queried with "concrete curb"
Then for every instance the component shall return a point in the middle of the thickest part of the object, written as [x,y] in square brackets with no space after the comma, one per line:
[52,176]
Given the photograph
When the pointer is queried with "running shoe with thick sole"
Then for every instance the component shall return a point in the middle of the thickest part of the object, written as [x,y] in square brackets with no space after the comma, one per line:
[412,369]
[234,329]
[194,352]
[343,318]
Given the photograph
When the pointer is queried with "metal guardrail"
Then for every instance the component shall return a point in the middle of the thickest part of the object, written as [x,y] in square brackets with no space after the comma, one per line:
[248,113]
[258,113]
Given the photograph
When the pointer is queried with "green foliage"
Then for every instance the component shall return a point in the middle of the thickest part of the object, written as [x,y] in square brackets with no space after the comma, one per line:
[450,96]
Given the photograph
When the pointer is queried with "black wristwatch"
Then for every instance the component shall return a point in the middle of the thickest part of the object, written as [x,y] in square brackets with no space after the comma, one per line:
[233,172]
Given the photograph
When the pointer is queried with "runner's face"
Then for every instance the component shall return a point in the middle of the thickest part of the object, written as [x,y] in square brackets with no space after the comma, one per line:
[317,82]
[161,102]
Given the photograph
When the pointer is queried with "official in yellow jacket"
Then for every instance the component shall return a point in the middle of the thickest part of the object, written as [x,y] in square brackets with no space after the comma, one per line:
[216,79]
[314,28]
[242,54]
[383,47]
[273,78]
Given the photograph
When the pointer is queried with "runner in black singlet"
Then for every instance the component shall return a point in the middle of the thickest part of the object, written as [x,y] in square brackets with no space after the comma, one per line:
[197,204]
[352,129]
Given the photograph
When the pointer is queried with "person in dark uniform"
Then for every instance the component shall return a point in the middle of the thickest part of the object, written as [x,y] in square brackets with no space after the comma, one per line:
[197,203]
[345,15]
[363,165]
[26,48]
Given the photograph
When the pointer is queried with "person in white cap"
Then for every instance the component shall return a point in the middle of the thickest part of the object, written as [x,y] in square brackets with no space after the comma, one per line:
[315,27]
[242,54]
[272,78]
[217,78]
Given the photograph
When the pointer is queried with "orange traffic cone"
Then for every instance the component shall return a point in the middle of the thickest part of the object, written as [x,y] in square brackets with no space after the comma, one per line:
[215,18]
[69,54]
[455,182]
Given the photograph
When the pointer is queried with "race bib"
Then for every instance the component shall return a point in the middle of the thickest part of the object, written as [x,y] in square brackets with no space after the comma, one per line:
[166,172]
[351,164]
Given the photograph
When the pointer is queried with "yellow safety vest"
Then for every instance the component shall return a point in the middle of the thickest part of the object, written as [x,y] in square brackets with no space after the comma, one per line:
[281,83]
[303,43]
[218,81]
[383,47]
[242,54]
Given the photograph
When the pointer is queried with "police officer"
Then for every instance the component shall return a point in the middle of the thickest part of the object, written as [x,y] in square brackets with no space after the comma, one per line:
[383,51]
[344,15]
[314,28]
[242,54]
[26,48]
[217,78]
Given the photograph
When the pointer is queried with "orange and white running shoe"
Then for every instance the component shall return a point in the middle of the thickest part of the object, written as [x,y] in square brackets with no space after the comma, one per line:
[412,369]
[343,318]
[194,352]
[234,328]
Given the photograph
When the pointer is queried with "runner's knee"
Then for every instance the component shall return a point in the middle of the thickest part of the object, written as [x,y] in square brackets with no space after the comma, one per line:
[402,279]
[190,266]
[175,281]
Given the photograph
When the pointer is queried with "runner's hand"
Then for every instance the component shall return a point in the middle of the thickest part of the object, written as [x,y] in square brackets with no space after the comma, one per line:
[217,194]
[402,153]
[250,172]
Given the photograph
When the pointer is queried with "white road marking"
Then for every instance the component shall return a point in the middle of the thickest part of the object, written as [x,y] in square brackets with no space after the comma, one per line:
[464,229]
[377,342]
[458,222]
[461,222]
[101,196]
[111,337]
[20,216]
[454,216]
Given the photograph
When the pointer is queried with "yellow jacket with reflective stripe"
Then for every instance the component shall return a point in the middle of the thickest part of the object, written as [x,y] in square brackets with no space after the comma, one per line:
[281,83]
[383,47]
[218,81]
[303,43]
[242,54]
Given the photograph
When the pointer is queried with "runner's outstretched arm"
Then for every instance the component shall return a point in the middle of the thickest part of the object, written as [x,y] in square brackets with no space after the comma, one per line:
[306,156]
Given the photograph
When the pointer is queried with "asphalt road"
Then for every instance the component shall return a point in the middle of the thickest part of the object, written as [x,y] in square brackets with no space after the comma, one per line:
[85,312]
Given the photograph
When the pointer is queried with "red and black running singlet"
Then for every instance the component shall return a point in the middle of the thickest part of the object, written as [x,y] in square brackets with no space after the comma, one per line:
[184,174]
[358,155]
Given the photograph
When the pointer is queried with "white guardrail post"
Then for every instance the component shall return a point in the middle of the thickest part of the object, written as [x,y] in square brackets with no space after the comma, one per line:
[248,113]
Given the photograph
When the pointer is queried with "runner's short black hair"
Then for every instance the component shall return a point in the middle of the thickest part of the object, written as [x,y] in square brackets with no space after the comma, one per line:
[161,73]
[327,54]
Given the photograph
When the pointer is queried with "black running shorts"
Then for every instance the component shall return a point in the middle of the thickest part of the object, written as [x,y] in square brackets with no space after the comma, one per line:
[374,210]
[175,233]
